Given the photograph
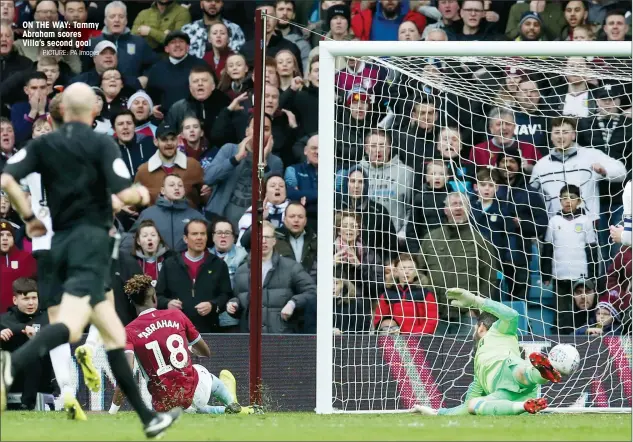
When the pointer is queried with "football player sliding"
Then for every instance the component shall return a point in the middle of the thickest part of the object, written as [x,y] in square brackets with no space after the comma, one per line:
[505,384]
[161,340]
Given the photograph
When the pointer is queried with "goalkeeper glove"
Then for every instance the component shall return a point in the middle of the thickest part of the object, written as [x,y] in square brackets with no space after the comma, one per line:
[463,298]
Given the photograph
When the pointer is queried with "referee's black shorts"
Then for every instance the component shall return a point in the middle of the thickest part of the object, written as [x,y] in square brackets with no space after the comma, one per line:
[49,290]
[81,261]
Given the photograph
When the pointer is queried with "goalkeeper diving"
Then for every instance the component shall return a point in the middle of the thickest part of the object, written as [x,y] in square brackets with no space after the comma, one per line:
[505,384]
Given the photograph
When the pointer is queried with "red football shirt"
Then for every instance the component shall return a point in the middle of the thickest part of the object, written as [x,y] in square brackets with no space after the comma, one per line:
[160,341]
[193,267]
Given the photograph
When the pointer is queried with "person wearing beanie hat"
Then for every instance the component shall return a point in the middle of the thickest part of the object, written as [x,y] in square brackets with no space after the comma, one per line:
[530,27]
[551,13]
[141,105]
[14,264]
[606,320]
[341,11]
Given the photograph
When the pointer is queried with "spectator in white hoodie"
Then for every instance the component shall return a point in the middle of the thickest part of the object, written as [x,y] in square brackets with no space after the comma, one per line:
[569,163]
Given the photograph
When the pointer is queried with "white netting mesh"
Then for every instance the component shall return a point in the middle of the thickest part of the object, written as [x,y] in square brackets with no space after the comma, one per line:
[413,133]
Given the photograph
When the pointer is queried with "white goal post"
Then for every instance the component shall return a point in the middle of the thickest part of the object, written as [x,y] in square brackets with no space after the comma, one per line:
[365,381]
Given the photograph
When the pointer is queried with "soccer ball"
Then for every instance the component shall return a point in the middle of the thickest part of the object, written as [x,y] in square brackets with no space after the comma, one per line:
[564,358]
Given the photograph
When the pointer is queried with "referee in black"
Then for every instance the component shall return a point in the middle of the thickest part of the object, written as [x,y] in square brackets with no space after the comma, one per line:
[81,170]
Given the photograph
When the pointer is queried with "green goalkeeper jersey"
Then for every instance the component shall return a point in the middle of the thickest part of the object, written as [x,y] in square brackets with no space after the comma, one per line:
[499,344]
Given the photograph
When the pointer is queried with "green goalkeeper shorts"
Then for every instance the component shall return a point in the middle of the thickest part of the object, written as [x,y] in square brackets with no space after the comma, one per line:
[506,383]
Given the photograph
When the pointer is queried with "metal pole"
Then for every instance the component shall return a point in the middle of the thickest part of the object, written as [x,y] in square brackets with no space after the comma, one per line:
[255,305]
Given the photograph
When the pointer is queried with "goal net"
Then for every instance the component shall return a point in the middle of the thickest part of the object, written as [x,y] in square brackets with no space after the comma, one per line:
[498,169]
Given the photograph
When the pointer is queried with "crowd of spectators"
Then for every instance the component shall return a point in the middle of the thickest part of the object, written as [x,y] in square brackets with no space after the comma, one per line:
[433,189]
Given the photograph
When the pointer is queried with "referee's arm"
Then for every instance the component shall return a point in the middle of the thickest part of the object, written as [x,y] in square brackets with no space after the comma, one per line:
[118,177]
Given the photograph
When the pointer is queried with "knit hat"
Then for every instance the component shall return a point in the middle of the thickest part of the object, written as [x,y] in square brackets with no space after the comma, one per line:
[357,93]
[418,20]
[333,11]
[6,225]
[140,94]
[528,15]
[510,153]
[610,308]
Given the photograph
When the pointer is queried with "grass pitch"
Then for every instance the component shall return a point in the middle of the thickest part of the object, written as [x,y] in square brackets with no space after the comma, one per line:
[309,426]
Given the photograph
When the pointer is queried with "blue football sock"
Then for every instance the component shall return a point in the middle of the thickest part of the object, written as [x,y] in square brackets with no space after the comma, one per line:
[220,392]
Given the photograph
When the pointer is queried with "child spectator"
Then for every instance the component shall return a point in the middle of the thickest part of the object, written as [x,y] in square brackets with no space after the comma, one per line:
[23,321]
[287,68]
[448,148]
[570,251]
[193,143]
[170,213]
[218,49]
[352,314]
[583,33]
[41,127]
[141,106]
[234,79]
[14,264]
[606,321]
[494,219]
[428,204]
[409,306]
[146,257]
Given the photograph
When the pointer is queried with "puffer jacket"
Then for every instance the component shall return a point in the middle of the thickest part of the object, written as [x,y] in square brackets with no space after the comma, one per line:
[170,218]
[284,282]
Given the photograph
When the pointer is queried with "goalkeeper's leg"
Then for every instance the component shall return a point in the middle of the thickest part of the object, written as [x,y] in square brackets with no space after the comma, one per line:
[538,372]
[488,406]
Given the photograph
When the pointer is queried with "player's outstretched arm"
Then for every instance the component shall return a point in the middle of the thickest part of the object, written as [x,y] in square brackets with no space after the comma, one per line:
[508,317]
[201,348]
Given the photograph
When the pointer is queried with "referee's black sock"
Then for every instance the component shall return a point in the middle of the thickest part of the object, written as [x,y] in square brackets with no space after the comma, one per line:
[124,378]
[38,347]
